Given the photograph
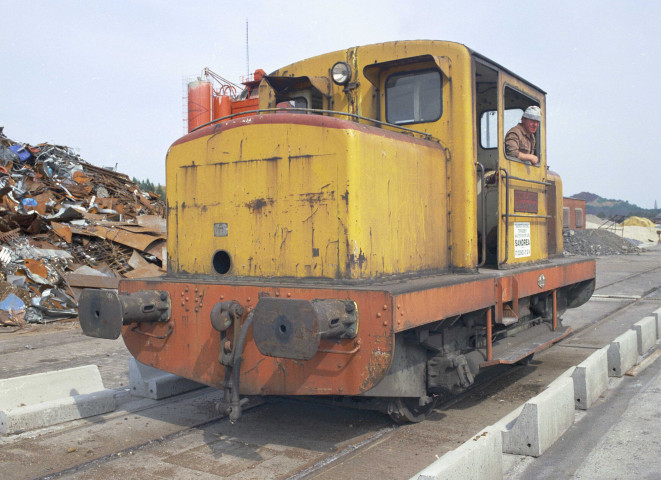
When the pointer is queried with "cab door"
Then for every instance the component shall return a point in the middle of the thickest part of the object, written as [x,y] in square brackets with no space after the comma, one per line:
[522,187]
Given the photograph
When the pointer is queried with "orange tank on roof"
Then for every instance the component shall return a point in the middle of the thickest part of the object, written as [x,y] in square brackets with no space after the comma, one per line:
[222,106]
[200,103]
[206,104]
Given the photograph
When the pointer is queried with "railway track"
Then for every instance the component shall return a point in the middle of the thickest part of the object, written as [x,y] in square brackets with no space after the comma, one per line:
[185,437]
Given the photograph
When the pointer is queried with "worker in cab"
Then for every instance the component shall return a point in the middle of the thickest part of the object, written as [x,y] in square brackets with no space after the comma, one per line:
[520,141]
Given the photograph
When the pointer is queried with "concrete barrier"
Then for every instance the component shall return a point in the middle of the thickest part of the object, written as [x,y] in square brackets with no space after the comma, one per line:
[657,315]
[480,458]
[533,427]
[153,383]
[646,331]
[622,354]
[536,425]
[44,399]
[590,379]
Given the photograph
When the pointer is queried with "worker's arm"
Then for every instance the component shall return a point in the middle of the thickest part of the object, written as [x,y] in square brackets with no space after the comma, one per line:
[529,157]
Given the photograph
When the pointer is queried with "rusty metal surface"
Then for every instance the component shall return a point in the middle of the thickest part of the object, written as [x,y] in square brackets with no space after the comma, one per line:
[145,306]
[100,313]
[287,328]
[393,284]
[509,355]
[418,308]
[103,312]
[556,276]
[337,318]
[421,307]
[138,241]
[340,367]
[91,281]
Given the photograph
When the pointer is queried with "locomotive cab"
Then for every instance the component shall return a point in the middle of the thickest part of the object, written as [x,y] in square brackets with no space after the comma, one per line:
[361,235]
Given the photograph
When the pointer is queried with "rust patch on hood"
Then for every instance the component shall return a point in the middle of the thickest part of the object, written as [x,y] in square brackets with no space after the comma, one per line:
[317,198]
[255,206]
[357,260]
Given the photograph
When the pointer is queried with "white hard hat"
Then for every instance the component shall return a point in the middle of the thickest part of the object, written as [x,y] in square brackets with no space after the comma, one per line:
[533,113]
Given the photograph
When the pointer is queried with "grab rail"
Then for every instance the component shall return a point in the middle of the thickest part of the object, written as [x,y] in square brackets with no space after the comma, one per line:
[530,181]
[506,215]
[484,216]
[426,135]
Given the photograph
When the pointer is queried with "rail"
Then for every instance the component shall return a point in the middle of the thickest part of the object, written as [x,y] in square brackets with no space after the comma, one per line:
[426,135]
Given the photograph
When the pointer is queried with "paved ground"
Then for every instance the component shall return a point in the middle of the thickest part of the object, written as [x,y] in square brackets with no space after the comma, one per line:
[618,438]
[148,440]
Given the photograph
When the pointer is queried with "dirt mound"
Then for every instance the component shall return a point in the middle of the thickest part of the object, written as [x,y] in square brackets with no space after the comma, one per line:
[637,222]
[596,242]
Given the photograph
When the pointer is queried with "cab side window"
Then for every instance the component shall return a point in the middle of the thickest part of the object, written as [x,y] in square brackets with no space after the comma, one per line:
[516,103]
[414,97]
[489,126]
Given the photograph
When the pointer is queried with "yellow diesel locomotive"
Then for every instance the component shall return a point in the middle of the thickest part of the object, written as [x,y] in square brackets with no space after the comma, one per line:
[359,233]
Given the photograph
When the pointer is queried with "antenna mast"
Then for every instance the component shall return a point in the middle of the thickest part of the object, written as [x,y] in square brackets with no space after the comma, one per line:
[247,51]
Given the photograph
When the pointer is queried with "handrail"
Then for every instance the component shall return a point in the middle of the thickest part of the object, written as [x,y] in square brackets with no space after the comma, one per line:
[531,181]
[484,216]
[428,136]
[506,215]
[529,216]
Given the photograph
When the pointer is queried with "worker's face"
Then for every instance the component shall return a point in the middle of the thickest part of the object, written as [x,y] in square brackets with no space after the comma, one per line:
[530,126]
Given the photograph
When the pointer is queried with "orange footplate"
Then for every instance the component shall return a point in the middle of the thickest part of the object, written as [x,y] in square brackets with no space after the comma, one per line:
[189,346]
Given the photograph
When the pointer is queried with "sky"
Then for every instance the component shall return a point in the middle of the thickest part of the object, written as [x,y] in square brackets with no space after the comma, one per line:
[107,77]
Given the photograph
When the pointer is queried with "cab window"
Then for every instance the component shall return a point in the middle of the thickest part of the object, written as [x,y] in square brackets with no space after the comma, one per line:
[297,102]
[414,97]
[489,126]
[516,103]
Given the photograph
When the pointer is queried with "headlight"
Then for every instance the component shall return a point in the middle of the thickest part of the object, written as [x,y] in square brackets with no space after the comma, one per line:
[341,73]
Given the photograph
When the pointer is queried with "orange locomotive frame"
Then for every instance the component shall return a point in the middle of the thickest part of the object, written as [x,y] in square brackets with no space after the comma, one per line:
[340,367]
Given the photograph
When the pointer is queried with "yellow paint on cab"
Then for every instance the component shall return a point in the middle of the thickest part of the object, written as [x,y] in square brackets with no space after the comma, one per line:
[345,198]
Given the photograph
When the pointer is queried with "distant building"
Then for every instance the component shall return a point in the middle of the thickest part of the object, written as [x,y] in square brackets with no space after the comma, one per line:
[573,213]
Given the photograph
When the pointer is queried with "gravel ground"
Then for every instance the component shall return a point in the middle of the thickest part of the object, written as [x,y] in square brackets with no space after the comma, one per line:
[597,242]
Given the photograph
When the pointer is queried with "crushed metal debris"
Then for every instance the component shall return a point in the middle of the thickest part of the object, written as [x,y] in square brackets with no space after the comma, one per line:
[66,225]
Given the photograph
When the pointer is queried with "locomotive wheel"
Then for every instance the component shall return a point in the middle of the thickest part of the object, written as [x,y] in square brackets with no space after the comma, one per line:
[408,409]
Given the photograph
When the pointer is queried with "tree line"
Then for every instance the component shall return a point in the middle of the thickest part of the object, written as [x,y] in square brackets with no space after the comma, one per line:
[149,186]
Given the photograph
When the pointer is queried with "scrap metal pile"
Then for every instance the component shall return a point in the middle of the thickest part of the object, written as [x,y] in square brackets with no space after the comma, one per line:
[597,242]
[65,225]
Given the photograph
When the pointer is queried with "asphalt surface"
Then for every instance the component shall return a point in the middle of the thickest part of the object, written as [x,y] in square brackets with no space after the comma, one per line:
[619,437]
[184,437]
